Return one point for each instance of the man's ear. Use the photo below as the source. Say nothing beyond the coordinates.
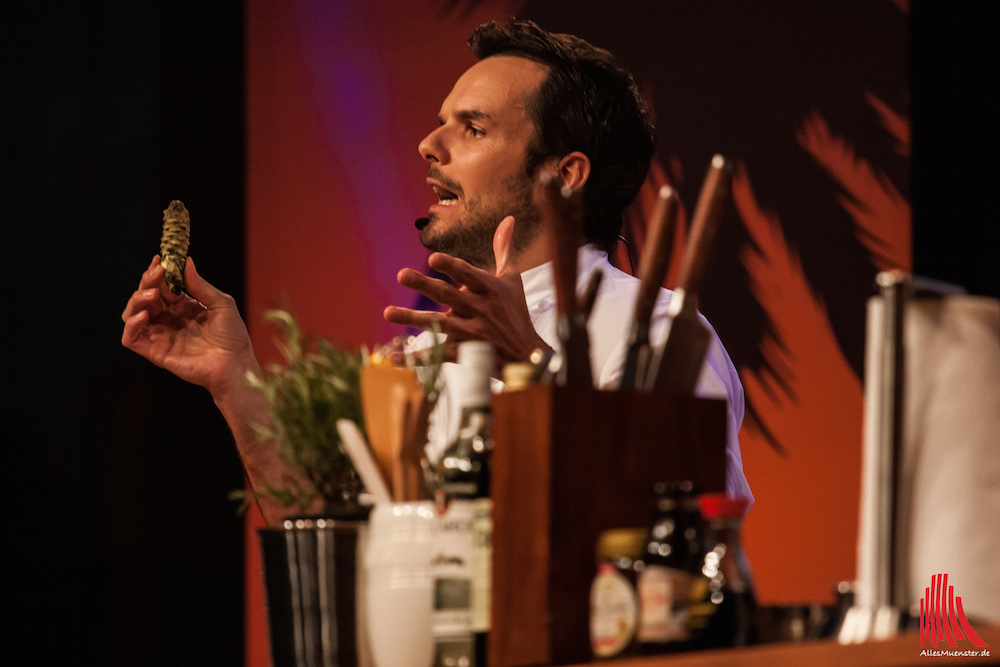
(574, 169)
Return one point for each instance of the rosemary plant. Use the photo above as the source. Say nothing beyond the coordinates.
(317, 385)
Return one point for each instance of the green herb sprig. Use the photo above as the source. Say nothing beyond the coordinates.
(317, 385)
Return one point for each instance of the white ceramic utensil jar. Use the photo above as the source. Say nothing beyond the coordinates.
(400, 584)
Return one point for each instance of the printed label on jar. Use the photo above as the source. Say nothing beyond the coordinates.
(663, 598)
(452, 569)
(482, 563)
(614, 611)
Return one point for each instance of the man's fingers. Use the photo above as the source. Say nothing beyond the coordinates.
(132, 333)
(203, 291)
(152, 278)
(147, 300)
(459, 270)
(455, 328)
(153, 275)
(153, 297)
(420, 319)
(433, 288)
(147, 295)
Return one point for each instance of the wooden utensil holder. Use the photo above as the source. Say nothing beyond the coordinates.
(570, 463)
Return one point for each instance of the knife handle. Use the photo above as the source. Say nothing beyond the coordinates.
(707, 214)
(562, 209)
(563, 212)
(655, 255)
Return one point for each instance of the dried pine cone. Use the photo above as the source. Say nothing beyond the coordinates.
(174, 244)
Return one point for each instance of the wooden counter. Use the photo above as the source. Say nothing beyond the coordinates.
(896, 652)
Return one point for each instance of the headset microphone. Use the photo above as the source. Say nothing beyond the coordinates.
(422, 222)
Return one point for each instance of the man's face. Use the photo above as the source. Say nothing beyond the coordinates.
(477, 160)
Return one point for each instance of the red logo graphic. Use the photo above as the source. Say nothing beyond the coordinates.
(942, 618)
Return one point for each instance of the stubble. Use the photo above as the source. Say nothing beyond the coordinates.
(471, 238)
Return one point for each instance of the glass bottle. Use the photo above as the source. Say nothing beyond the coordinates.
(723, 609)
(451, 571)
(673, 563)
(464, 469)
(614, 604)
(463, 500)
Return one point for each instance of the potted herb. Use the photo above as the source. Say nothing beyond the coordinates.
(310, 562)
(312, 580)
(315, 386)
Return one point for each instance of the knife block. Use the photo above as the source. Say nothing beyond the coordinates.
(568, 464)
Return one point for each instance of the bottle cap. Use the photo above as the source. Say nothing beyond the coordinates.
(621, 543)
(721, 506)
(475, 357)
(675, 488)
(518, 375)
(476, 354)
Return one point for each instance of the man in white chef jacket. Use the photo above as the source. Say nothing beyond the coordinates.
(534, 103)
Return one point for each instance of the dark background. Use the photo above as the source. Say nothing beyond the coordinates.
(123, 547)
(955, 147)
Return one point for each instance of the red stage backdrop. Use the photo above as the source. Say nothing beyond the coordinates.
(810, 101)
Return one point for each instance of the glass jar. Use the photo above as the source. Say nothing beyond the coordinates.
(614, 602)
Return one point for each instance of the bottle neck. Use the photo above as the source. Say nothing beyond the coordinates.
(475, 360)
(475, 418)
(476, 394)
(725, 543)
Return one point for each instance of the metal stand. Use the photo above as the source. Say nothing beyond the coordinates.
(876, 614)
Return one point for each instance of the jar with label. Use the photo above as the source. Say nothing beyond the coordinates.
(452, 571)
(462, 591)
(614, 603)
(673, 562)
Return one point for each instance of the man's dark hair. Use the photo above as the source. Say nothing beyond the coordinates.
(587, 103)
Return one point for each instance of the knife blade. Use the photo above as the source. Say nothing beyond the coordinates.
(562, 208)
(688, 339)
(652, 271)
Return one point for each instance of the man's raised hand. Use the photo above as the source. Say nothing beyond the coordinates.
(199, 336)
(484, 306)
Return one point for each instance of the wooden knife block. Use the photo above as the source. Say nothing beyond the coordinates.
(568, 464)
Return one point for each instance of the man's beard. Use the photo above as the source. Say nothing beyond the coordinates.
(471, 238)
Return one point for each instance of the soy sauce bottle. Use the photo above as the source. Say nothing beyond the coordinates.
(723, 608)
(673, 564)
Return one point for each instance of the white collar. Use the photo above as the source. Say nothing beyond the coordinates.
(537, 281)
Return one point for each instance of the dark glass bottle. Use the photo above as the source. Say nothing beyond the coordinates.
(463, 490)
(723, 610)
(464, 469)
(673, 563)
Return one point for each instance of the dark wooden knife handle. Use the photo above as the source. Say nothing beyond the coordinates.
(564, 214)
(656, 255)
(707, 214)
